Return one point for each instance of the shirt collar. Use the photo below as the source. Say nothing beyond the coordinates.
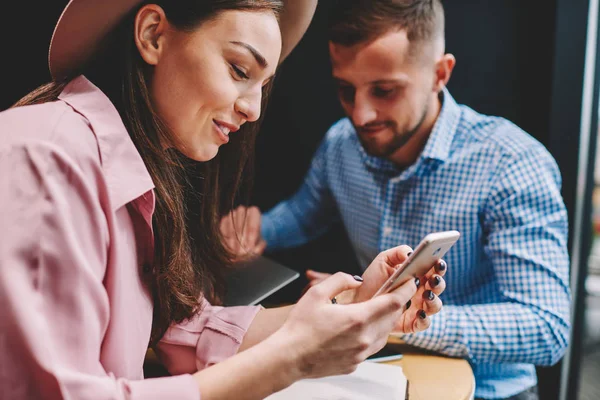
(126, 174)
(444, 129)
(439, 142)
(376, 164)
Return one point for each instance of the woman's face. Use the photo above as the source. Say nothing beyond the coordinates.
(208, 82)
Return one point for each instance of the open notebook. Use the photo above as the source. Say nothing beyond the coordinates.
(370, 381)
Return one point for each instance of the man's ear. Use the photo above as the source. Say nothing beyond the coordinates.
(149, 29)
(443, 71)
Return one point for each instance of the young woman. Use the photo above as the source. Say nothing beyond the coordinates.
(107, 246)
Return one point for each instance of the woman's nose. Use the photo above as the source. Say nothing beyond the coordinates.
(249, 107)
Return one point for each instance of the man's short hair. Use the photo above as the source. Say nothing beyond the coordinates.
(356, 21)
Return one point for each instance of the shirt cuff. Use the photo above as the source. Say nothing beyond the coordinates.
(223, 335)
(182, 387)
(212, 335)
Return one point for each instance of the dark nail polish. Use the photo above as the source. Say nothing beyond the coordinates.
(435, 281)
(429, 295)
(408, 305)
(417, 282)
(422, 314)
(442, 266)
(409, 254)
(358, 278)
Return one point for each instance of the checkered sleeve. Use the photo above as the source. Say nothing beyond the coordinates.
(525, 238)
(309, 213)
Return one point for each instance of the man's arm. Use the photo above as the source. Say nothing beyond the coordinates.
(309, 213)
(525, 228)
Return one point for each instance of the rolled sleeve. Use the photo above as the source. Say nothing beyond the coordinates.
(211, 336)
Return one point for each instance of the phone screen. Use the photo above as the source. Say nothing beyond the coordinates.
(387, 353)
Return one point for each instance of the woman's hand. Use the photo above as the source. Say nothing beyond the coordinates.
(425, 302)
(329, 339)
(316, 338)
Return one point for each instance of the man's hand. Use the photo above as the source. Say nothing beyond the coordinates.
(241, 233)
(314, 278)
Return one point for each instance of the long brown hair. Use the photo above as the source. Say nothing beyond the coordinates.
(191, 197)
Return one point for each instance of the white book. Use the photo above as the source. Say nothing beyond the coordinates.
(370, 381)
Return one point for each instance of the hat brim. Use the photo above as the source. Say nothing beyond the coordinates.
(84, 24)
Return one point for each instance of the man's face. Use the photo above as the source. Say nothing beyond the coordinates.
(384, 89)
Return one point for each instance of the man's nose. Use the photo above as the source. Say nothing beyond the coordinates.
(363, 112)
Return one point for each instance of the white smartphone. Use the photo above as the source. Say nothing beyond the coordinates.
(431, 249)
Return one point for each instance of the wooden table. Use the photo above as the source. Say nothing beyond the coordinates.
(436, 377)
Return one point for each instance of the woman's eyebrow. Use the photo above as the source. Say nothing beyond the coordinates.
(257, 56)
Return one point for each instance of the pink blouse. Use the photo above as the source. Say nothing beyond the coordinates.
(76, 204)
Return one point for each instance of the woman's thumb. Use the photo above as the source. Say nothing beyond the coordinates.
(337, 283)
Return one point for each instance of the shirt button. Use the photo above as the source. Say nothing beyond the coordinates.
(387, 231)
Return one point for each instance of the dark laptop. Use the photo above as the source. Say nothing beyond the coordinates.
(251, 282)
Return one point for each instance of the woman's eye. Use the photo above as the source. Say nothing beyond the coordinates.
(241, 74)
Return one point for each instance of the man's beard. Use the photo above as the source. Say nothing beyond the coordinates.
(398, 140)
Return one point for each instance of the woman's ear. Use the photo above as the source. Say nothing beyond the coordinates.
(443, 71)
(149, 29)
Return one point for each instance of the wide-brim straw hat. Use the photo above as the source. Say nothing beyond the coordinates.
(84, 24)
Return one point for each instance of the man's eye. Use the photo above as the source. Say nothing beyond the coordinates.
(380, 92)
(346, 94)
(241, 74)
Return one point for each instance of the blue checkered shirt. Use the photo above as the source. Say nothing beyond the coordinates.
(506, 306)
